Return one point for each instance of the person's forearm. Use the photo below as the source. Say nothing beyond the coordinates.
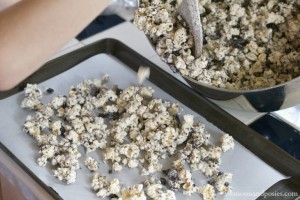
(31, 31)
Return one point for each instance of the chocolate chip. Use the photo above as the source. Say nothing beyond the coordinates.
(103, 115)
(176, 117)
(220, 173)
(64, 105)
(204, 14)
(62, 130)
(166, 55)
(173, 3)
(211, 182)
(238, 42)
(226, 184)
(214, 161)
(204, 39)
(246, 3)
(119, 91)
(165, 171)
(110, 171)
(50, 90)
(176, 53)
(113, 116)
(113, 196)
(273, 26)
(268, 51)
(163, 181)
(95, 91)
(110, 116)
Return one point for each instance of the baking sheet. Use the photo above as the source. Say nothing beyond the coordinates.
(252, 176)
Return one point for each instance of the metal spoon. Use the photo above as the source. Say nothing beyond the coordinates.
(189, 11)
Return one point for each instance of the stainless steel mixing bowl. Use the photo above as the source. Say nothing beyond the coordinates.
(260, 100)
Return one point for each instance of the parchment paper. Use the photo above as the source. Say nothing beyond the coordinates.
(251, 176)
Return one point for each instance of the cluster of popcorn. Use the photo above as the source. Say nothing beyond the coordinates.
(132, 129)
(248, 44)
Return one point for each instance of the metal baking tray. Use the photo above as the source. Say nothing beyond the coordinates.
(258, 145)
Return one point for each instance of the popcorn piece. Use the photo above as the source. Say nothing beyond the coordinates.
(42, 161)
(154, 189)
(47, 139)
(65, 174)
(114, 187)
(32, 97)
(31, 103)
(72, 136)
(47, 111)
(222, 183)
(91, 164)
(58, 102)
(116, 167)
(143, 74)
(133, 163)
(207, 192)
(32, 90)
(100, 185)
(104, 187)
(146, 92)
(32, 128)
(135, 192)
(57, 128)
(49, 150)
(227, 142)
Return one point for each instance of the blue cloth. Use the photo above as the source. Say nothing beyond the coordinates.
(100, 24)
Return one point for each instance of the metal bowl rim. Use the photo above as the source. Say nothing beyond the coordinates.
(240, 91)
